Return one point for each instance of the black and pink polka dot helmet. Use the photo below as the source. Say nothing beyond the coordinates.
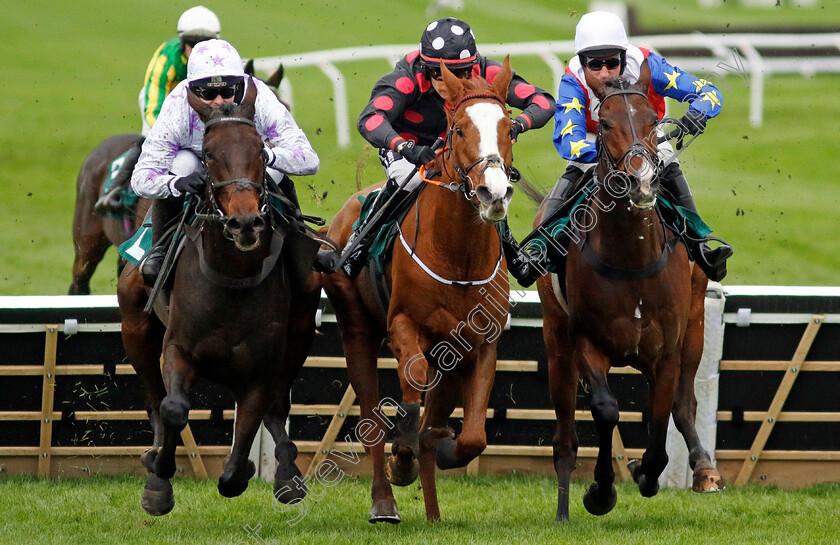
(450, 41)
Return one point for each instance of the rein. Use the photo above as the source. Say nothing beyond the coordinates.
(636, 149)
(491, 161)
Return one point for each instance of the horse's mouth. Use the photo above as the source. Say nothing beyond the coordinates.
(493, 213)
(645, 203)
(247, 247)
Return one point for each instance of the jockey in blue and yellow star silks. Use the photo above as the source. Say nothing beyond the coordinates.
(602, 52)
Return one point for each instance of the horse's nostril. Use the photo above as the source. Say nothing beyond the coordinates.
(259, 224)
(233, 224)
(484, 195)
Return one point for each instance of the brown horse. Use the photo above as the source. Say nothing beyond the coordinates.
(631, 299)
(241, 314)
(94, 233)
(448, 301)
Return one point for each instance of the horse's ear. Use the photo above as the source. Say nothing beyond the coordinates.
(453, 84)
(246, 107)
(201, 108)
(644, 78)
(502, 80)
(249, 67)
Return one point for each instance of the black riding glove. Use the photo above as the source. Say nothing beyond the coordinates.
(418, 155)
(517, 127)
(193, 183)
(693, 122)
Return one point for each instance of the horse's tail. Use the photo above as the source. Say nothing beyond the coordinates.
(534, 193)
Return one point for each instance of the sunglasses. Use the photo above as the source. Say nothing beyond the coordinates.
(210, 93)
(464, 73)
(597, 64)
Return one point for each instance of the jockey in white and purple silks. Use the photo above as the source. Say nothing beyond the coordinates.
(170, 163)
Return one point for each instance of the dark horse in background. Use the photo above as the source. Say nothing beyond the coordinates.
(241, 313)
(94, 233)
(632, 298)
(448, 304)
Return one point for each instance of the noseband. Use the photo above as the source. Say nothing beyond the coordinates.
(467, 187)
(637, 148)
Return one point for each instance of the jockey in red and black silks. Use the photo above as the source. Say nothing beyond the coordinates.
(406, 113)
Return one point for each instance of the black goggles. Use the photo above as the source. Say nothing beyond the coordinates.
(210, 93)
(461, 73)
(596, 64)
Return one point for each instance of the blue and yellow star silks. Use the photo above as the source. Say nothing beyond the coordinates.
(699, 93)
(576, 147)
(568, 128)
(672, 79)
(574, 104)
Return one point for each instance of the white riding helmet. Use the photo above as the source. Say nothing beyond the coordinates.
(600, 30)
(214, 58)
(199, 22)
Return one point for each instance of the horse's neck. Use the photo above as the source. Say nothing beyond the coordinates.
(456, 232)
(223, 257)
(622, 234)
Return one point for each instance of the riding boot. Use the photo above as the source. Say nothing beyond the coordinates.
(357, 260)
(562, 194)
(712, 261)
(521, 265)
(112, 202)
(164, 211)
(287, 186)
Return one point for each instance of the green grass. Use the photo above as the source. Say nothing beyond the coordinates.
(72, 75)
(485, 510)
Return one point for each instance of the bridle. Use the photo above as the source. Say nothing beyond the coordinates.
(214, 211)
(638, 148)
(493, 160)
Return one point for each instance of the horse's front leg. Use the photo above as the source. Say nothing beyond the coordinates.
(412, 367)
(477, 383)
(662, 388)
(252, 403)
(600, 497)
(178, 377)
(440, 402)
(288, 484)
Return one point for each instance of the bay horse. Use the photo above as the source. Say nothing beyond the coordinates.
(94, 233)
(631, 298)
(448, 303)
(238, 314)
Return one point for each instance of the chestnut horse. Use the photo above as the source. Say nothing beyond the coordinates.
(632, 298)
(238, 315)
(448, 300)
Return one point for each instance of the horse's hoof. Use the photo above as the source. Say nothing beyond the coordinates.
(648, 487)
(397, 473)
(164, 468)
(707, 479)
(148, 459)
(597, 505)
(158, 498)
(232, 485)
(289, 491)
(384, 511)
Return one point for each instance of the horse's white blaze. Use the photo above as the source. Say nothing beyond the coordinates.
(486, 118)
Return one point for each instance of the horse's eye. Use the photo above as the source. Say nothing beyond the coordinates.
(207, 155)
(459, 132)
(605, 126)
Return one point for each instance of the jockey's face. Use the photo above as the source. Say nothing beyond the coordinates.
(215, 96)
(602, 68)
(437, 80)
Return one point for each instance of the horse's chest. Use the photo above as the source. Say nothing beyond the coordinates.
(634, 332)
